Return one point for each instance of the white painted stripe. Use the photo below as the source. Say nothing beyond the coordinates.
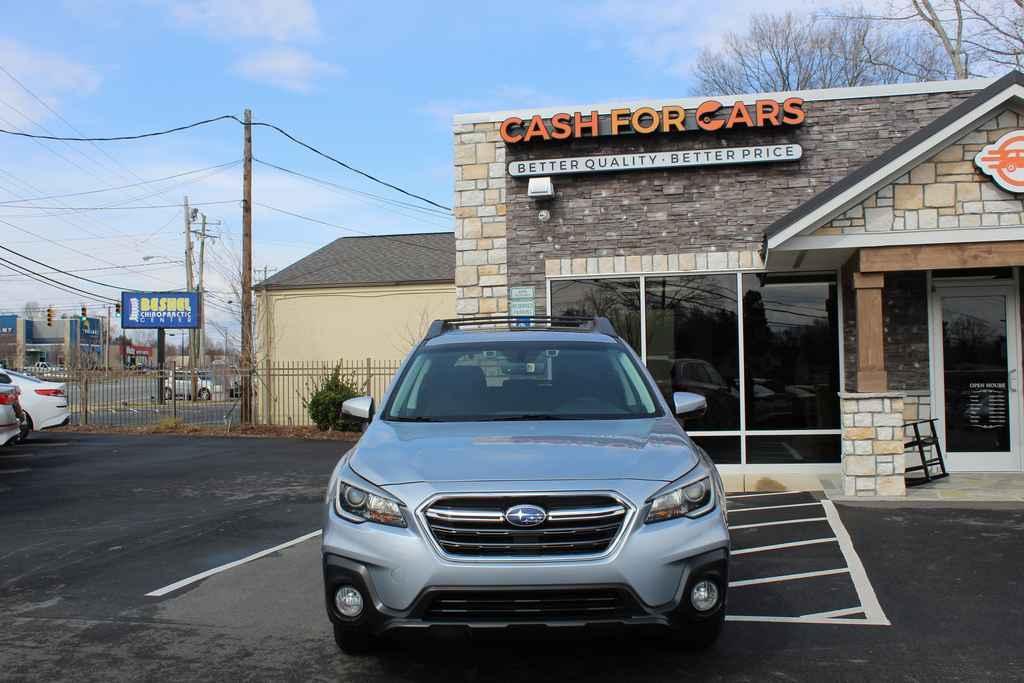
(847, 612)
(230, 565)
(780, 522)
(788, 577)
(781, 546)
(861, 583)
(802, 620)
(754, 495)
(774, 507)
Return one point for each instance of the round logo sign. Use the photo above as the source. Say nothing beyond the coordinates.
(1004, 161)
(525, 515)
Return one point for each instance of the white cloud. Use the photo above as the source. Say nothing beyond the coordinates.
(49, 75)
(279, 20)
(285, 67)
(668, 35)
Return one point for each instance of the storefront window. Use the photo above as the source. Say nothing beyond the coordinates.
(617, 300)
(763, 403)
(792, 359)
(693, 344)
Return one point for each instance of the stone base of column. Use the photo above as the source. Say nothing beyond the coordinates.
(873, 461)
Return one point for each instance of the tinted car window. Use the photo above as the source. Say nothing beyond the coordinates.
(522, 380)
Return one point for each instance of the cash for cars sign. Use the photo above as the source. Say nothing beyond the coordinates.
(172, 310)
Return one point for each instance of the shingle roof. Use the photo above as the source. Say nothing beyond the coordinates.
(378, 259)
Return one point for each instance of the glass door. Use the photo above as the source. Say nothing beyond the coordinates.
(977, 378)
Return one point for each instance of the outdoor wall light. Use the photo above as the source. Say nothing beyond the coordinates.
(541, 188)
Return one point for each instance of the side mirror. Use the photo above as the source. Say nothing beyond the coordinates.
(688, 404)
(360, 407)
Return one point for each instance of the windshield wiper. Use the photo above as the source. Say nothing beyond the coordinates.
(525, 416)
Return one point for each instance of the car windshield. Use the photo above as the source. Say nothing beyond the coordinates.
(532, 380)
(27, 378)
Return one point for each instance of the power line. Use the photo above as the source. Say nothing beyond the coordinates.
(103, 268)
(122, 187)
(231, 117)
(63, 272)
(112, 207)
(58, 283)
(393, 202)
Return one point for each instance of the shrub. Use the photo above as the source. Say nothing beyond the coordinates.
(324, 404)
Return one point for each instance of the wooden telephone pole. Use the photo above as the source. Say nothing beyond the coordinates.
(247, 351)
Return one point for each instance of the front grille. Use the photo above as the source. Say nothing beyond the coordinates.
(578, 604)
(475, 526)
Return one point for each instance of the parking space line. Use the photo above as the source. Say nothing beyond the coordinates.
(802, 620)
(788, 577)
(775, 507)
(849, 611)
(160, 592)
(872, 608)
(755, 495)
(783, 546)
(777, 523)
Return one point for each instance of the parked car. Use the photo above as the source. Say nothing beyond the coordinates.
(44, 403)
(524, 477)
(206, 386)
(10, 425)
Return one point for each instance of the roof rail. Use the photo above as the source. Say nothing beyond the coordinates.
(524, 322)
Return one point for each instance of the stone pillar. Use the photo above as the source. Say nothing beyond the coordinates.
(873, 460)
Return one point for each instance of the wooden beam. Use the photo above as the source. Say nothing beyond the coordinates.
(941, 256)
(871, 375)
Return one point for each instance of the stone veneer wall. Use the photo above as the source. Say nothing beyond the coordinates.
(501, 241)
(655, 263)
(946, 191)
(481, 254)
(873, 459)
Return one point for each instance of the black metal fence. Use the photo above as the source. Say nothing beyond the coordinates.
(212, 395)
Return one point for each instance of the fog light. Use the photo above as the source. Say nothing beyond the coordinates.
(704, 595)
(349, 602)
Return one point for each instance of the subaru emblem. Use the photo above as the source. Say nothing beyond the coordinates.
(525, 515)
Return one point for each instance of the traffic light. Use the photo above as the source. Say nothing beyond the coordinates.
(84, 315)
(49, 317)
(117, 309)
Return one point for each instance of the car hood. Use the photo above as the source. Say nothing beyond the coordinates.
(397, 453)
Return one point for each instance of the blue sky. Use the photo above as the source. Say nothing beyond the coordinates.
(375, 84)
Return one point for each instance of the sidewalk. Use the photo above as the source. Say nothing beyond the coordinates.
(989, 487)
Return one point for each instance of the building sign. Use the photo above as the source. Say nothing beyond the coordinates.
(1004, 161)
(8, 326)
(650, 160)
(89, 330)
(174, 310)
(708, 116)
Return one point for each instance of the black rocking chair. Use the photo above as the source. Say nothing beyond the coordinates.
(920, 443)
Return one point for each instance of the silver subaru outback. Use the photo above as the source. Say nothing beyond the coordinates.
(524, 472)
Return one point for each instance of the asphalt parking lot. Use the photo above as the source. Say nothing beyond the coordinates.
(91, 524)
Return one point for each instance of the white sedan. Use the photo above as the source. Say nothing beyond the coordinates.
(10, 428)
(45, 403)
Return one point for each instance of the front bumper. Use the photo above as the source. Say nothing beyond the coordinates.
(378, 618)
(401, 571)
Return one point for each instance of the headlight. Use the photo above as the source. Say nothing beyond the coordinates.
(690, 500)
(358, 505)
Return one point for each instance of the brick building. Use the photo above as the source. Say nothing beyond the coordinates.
(822, 265)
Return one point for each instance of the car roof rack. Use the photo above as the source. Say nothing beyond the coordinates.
(524, 323)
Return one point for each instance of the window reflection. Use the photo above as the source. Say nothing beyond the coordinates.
(692, 343)
(792, 360)
(617, 300)
(724, 450)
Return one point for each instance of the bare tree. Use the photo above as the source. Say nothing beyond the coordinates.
(976, 37)
(799, 51)
(32, 310)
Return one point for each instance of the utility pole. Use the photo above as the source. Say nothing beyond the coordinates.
(190, 286)
(202, 306)
(247, 359)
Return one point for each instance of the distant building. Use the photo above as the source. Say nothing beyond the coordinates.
(68, 341)
(357, 298)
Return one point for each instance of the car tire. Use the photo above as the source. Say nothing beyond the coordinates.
(168, 396)
(353, 641)
(697, 637)
(204, 394)
(26, 429)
